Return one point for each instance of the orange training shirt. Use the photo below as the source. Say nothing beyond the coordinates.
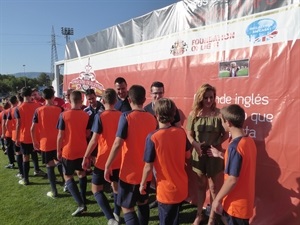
(166, 149)
(47, 117)
(133, 127)
(11, 117)
(106, 125)
(240, 161)
(74, 123)
(8, 131)
(24, 113)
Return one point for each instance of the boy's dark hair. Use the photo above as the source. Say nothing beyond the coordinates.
(137, 94)
(20, 98)
(90, 92)
(165, 110)
(157, 84)
(120, 80)
(26, 92)
(48, 93)
(34, 90)
(13, 99)
(110, 96)
(234, 114)
(51, 87)
(76, 97)
(6, 105)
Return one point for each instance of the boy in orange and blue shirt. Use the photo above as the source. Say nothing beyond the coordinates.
(104, 130)
(15, 101)
(235, 200)
(2, 139)
(24, 114)
(7, 134)
(133, 128)
(74, 127)
(44, 120)
(167, 149)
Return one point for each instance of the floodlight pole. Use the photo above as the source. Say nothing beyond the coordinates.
(67, 31)
(24, 75)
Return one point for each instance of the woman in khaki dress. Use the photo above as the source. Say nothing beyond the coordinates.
(204, 128)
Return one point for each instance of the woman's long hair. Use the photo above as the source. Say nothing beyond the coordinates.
(199, 97)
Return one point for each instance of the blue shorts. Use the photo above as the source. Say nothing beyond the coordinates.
(129, 194)
(231, 220)
(168, 213)
(70, 166)
(98, 176)
(26, 149)
(49, 156)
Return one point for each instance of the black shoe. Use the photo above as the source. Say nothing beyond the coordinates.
(79, 211)
(153, 205)
(39, 173)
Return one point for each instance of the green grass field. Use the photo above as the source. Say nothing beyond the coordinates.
(22, 205)
(241, 73)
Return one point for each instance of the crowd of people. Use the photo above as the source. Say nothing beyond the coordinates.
(132, 147)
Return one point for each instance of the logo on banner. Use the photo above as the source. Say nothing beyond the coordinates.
(87, 80)
(178, 48)
(262, 30)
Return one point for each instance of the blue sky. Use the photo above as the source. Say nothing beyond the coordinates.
(26, 26)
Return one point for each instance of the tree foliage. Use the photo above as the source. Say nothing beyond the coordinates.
(10, 84)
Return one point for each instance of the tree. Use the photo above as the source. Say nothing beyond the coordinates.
(43, 79)
(10, 84)
(5, 89)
